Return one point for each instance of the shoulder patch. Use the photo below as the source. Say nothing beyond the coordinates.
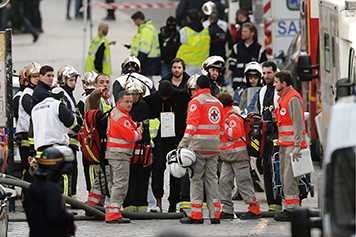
(193, 107)
(127, 123)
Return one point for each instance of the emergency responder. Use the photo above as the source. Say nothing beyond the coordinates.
(248, 50)
(253, 75)
(121, 137)
(99, 53)
(194, 42)
(178, 77)
(50, 119)
(88, 82)
(291, 139)
(136, 199)
(99, 99)
(44, 205)
(130, 69)
(220, 38)
(43, 88)
(170, 106)
(168, 44)
(67, 79)
(145, 45)
(212, 67)
(236, 163)
(192, 84)
(266, 103)
(23, 81)
(204, 123)
(242, 16)
(23, 123)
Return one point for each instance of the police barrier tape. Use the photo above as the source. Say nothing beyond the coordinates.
(130, 5)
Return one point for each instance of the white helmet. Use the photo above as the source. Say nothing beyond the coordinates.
(253, 68)
(192, 81)
(208, 8)
(185, 157)
(176, 170)
(89, 80)
(131, 61)
(135, 86)
(212, 62)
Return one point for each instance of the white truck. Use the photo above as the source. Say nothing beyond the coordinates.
(277, 21)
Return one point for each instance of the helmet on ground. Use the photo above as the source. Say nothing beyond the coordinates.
(131, 61)
(212, 62)
(253, 68)
(89, 80)
(173, 166)
(54, 161)
(208, 8)
(135, 86)
(66, 72)
(192, 81)
(33, 69)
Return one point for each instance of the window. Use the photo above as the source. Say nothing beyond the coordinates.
(327, 52)
(293, 4)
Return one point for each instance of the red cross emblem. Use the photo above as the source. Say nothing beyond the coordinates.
(214, 114)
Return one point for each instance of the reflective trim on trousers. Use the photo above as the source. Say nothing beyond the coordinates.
(254, 207)
(289, 138)
(142, 209)
(217, 208)
(288, 128)
(207, 137)
(118, 141)
(130, 208)
(184, 204)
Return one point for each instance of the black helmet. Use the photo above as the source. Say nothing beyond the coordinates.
(54, 161)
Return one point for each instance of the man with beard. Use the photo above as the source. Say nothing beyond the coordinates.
(178, 77)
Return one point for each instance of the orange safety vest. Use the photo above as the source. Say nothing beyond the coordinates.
(204, 122)
(231, 140)
(284, 122)
(122, 133)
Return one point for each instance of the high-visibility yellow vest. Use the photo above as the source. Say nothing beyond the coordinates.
(146, 41)
(94, 46)
(196, 50)
(154, 126)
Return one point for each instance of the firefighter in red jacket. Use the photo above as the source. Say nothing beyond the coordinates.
(236, 163)
(291, 139)
(121, 137)
(202, 134)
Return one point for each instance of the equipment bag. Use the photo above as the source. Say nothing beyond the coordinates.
(142, 155)
(92, 137)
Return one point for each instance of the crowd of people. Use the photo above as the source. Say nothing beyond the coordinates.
(188, 110)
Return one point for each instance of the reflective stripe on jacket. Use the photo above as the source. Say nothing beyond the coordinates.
(204, 123)
(196, 50)
(94, 46)
(122, 133)
(232, 139)
(146, 41)
(284, 122)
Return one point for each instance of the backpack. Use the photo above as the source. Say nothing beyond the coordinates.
(92, 137)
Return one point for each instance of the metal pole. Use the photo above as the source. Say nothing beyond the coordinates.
(9, 108)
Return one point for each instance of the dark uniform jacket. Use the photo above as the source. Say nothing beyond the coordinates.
(182, 86)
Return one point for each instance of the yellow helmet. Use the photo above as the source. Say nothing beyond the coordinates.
(66, 72)
(33, 69)
(135, 86)
(192, 81)
(89, 80)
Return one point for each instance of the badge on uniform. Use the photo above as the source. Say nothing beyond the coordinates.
(214, 114)
(127, 123)
(283, 111)
(193, 107)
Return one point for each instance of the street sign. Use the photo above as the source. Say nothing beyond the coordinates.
(3, 90)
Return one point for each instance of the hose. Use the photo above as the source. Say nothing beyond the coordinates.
(270, 214)
(17, 182)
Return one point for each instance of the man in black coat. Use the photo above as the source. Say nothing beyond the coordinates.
(178, 77)
(165, 103)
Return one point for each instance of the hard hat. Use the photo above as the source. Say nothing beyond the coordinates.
(22, 77)
(54, 161)
(208, 8)
(131, 61)
(212, 62)
(33, 69)
(135, 86)
(192, 81)
(173, 166)
(186, 157)
(55, 82)
(66, 72)
(57, 92)
(253, 68)
(89, 80)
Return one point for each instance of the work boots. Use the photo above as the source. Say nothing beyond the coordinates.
(283, 216)
(189, 220)
(250, 215)
(224, 215)
(120, 220)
